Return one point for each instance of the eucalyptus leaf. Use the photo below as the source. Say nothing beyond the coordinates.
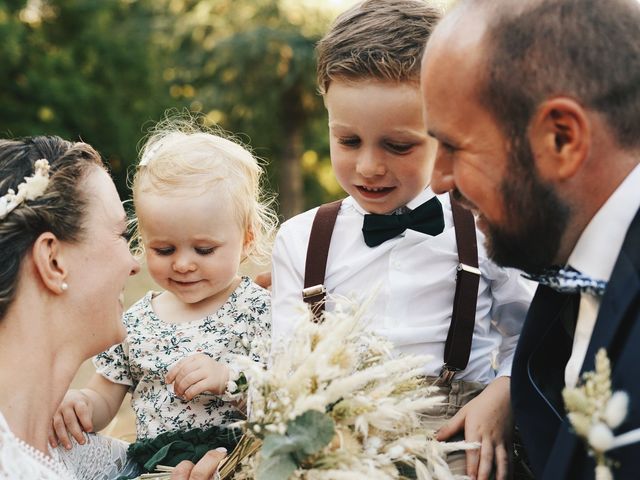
(279, 467)
(274, 445)
(312, 430)
(306, 435)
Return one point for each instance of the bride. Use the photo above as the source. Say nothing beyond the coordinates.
(64, 261)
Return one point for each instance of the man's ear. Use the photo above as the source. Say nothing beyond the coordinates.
(560, 136)
(49, 262)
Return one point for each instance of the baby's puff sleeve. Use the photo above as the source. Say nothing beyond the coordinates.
(113, 364)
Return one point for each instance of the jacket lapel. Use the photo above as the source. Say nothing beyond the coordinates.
(623, 288)
(546, 363)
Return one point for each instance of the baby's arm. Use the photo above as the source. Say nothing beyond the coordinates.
(197, 374)
(86, 410)
(485, 419)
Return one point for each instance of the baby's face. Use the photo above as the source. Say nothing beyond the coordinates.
(380, 152)
(193, 244)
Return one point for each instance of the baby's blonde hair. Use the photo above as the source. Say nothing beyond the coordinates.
(181, 156)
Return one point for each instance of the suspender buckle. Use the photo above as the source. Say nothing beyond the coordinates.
(468, 268)
(446, 376)
(314, 293)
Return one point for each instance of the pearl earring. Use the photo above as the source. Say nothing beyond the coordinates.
(64, 286)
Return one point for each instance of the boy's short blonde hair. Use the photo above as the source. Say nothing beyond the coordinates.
(182, 158)
(376, 39)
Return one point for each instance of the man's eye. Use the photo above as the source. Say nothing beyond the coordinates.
(205, 251)
(447, 147)
(349, 141)
(164, 251)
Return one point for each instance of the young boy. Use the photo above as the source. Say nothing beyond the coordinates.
(368, 73)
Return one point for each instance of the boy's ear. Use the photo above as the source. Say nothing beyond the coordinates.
(560, 137)
(49, 262)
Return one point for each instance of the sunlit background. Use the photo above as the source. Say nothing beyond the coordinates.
(105, 71)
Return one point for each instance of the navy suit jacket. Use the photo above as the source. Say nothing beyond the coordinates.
(554, 451)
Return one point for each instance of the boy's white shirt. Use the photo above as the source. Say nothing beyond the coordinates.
(409, 283)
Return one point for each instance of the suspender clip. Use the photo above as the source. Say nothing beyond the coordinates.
(468, 268)
(314, 293)
(446, 376)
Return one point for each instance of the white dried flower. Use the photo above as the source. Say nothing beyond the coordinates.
(396, 451)
(32, 188)
(616, 410)
(600, 437)
(232, 387)
(603, 472)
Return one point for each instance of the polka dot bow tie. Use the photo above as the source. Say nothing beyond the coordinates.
(569, 280)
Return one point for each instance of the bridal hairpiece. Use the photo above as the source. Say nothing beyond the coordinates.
(32, 187)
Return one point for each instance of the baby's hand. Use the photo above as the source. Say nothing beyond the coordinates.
(196, 374)
(486, 419)
(74, 416)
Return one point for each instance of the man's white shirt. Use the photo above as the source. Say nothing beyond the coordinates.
(408, 284)
(595, 255)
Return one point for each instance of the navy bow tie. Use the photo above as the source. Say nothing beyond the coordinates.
(427, 218)
(569, 280)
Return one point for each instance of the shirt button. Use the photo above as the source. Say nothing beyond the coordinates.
(397, 265)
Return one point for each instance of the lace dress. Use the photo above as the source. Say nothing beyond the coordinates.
(20, 461)
(100, 458)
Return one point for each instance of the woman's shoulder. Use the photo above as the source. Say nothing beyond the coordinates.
(21, 462)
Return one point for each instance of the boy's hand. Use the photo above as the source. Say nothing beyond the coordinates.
(196, 374)
(486, 419)
(74, 416)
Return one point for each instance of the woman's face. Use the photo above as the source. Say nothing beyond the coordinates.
(100, 265)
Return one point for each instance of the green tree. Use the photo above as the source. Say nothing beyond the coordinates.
(250, 66)
(81, 69)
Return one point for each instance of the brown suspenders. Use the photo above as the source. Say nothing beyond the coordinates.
(317, 253)
(463, 317)
(458, 344)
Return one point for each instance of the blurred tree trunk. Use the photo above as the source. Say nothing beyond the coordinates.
(290, 183)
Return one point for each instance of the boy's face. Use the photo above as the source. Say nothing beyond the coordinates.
(380, 152)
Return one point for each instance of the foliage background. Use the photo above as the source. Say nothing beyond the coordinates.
(105, 70)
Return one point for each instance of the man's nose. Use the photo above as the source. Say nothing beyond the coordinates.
(442, 178)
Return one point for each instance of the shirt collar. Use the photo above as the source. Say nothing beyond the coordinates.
(422, 197)
(599, 244)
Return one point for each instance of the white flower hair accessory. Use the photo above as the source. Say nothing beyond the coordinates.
(32, 187)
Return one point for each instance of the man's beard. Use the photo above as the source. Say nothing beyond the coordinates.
(537, 218)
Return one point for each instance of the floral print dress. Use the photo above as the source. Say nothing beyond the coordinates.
(239, 327)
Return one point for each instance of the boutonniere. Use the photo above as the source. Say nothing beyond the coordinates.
(594, 411)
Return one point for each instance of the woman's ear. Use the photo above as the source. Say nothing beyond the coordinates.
(49, 262)
(560, 137)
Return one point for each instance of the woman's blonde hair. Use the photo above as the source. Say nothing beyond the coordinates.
(182, 156)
